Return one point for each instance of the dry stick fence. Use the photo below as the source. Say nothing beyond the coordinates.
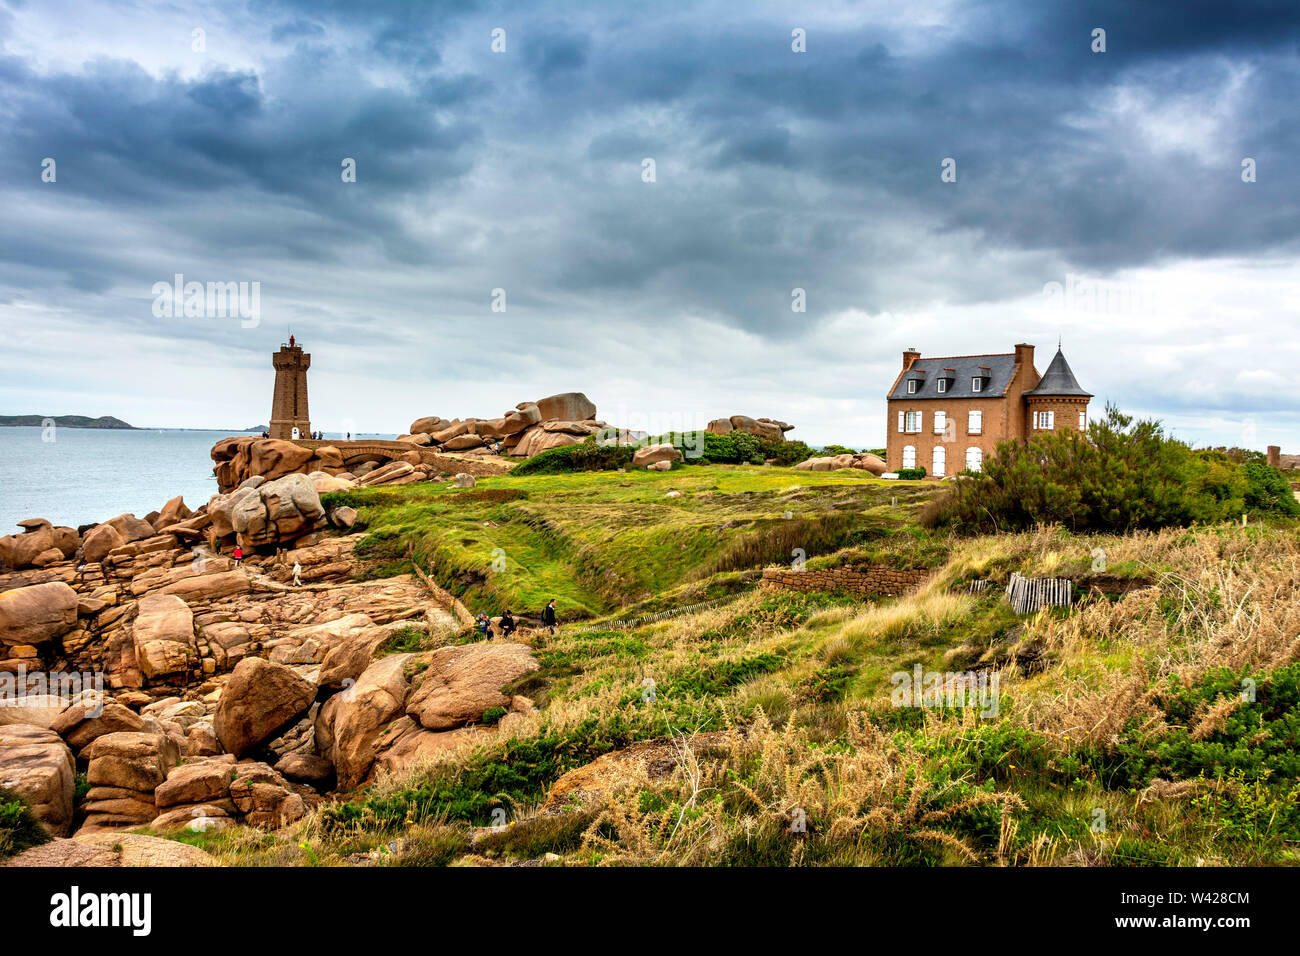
(1033, 594)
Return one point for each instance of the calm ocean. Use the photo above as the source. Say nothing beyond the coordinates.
(90, 474)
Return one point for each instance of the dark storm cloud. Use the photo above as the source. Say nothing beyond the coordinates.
(523, 170)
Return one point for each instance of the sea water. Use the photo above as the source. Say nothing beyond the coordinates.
(76, 476)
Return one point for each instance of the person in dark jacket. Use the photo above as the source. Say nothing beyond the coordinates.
(508, 624)
(484, 624)
(548, 616)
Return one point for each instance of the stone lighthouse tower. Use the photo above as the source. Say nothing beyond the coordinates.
(289, 403)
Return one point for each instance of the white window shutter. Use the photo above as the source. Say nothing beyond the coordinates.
(900, 421)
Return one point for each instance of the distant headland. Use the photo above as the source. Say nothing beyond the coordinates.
(64, 421)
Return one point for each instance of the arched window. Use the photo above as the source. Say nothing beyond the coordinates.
(909, 456)
(939, 461)
(974, 459)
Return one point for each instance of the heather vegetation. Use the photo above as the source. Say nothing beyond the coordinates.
(1153, 722)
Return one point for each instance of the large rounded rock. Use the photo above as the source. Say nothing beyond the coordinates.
(196, 781)
(173, 511)
(872, 463)
(39, 545)
(274, 458)
(131, 528)
(462, 682)
(131, 761)
(100, 540)
(37, 613)
(566, 407)
(260, 700)
(650, 454)
(37, 765)
(164, 636)
(426, 426)
(349, 723)
(449, 430)
(537, 439)
(39, 710)
(273, 511)
(524, 415)
(264, 797)
(86, 721)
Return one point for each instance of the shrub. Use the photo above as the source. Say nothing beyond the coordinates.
(832, 450)
(1267, 491)
(911, 474)
(19, 828)
(736, 448)
(586, 455)
(1120, 475)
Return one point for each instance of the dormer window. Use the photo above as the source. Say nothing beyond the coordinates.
(942, 385)
(976, 384)
(911, 386)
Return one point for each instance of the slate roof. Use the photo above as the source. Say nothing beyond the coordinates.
(996, 369)
(1058, 380)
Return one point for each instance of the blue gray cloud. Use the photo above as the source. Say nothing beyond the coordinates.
(522, 170)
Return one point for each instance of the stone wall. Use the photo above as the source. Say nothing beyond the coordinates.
(880, 580)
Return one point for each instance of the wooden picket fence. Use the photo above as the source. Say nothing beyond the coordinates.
(1032, 594)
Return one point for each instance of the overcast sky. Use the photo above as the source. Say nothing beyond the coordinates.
(219, 155)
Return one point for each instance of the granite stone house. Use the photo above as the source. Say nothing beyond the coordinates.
(948, 413)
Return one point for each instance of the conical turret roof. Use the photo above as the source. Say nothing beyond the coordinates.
(1058, 380)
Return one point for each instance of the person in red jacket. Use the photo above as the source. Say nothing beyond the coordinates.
(238, 555)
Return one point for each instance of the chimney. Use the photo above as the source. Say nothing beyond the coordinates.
(910, 356)
(1025, 355)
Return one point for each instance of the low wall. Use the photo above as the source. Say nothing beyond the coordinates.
(880, 580)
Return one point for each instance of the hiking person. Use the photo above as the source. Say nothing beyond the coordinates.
(548, 616)
(238, 555)
(297, 574)
(484, 624)
(508, 624)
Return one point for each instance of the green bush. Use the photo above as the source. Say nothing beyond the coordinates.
(1267, 491)
(586, 455)
(911, 474)
(19, 828)
(830, 451)
(736, 448)
(1118, 476)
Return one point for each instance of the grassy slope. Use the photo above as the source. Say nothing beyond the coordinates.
(601, 541)
(1121, 736)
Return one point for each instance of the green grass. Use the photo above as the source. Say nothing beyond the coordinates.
(599, 542)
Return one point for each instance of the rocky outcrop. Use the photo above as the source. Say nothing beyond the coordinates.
(37, 614)
(279, 512)
(164, 636)
(259, 701)
(83, 723)
(350, 722)
(112, 850)
(39, 545)
(525, 430)
(462, 682)
(651, 454)
(865, 461)
(123, 770)
(196, 782)
(36, 764)
(263, 797)
(99, 541)
(769, 429)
